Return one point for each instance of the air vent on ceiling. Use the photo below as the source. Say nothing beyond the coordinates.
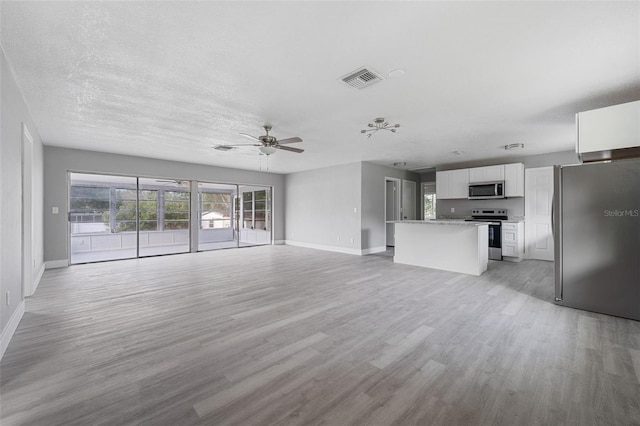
(361, 78)
(223, 148)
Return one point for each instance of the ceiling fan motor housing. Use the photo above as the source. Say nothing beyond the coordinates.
(268, 140)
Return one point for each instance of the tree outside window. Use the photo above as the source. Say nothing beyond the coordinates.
(429, 200)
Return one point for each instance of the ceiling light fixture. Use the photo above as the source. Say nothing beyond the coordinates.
(267, 150)
(514, 146)
(396, 73)
(379, 124)
(399, 164)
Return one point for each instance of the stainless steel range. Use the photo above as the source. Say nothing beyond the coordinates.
(494, 217)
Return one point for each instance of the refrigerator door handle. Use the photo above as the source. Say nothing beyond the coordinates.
(556, 230)
(553, 226)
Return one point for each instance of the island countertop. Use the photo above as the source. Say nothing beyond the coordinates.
(450, 245)
(455, 222)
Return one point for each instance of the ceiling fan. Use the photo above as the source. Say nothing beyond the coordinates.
(174, 181)
(268, 144)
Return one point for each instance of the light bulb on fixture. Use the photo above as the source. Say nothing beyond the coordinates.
(267, 150)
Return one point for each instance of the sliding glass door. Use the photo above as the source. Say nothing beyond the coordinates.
(122, 217)
(102, 217)
(163, 216)
(217, 221)
(254, 209)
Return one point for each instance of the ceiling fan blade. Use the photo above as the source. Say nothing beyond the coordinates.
(246, 135)
(288, 148)
(289, 140)
(225, 146)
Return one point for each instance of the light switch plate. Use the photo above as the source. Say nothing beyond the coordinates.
(55, 210)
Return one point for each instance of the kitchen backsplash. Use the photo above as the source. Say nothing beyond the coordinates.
(515, 207)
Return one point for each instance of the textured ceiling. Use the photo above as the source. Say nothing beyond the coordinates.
(172, 79)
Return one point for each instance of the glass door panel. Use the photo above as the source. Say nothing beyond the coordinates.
(102, 217)
(163, 215)
(218, 221)
(256, 215)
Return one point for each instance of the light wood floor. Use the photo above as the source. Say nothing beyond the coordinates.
(286, 335)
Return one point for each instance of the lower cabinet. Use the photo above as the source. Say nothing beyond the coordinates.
(512, 241)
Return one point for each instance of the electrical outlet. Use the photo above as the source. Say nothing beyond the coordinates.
(355, 210)
(453, 209)
(351, 240)
(55, 210)
(338, 239)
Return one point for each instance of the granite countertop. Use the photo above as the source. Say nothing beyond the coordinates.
(451, 222)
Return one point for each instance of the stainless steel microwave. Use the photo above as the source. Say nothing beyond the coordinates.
(486, 190)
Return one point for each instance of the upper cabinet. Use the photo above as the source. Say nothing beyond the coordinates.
(604, 131)
(452, 184)
(486, 174)
(514, 180)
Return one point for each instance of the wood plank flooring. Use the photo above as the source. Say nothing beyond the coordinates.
(282, 335)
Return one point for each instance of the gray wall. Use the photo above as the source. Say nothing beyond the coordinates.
(514, 205)
(13, 113)
(320, 207)
(428, 176)
(373, 202)
(58, 161)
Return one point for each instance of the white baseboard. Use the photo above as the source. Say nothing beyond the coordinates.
(374, 250)
(278, 242)
(323, 247)
(11, 327)
(52, 264)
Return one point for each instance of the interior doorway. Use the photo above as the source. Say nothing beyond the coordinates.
(408, 200)
(392, 196)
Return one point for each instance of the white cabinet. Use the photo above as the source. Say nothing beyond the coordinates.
(512, 241)
(486, 174)
(452, 184)
(514, 180)
(459, 183)
(604, 129)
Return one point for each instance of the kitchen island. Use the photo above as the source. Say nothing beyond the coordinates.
(450, 245)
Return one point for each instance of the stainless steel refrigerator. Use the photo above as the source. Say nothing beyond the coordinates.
(596, 223)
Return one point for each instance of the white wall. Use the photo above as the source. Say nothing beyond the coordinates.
(320, 208)
(13, 113)
(58, 161)
(328, 207)
(373, 203)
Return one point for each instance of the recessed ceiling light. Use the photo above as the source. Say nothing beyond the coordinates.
(399, 164)
(396, 73)
(458, 152)
(514, 146)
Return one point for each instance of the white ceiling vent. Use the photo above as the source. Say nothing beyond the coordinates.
(361, 78)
